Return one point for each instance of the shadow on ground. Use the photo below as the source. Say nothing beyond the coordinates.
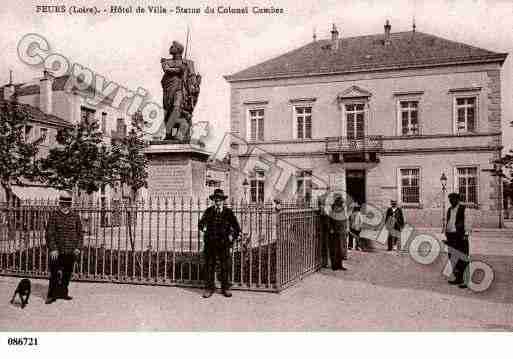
(393, 270)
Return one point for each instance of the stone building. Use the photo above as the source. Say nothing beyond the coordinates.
(379, 117)
(39, 125)
(55, 101)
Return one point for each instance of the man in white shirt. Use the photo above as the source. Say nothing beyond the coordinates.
(456, 240)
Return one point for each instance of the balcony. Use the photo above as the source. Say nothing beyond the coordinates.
(354, 145)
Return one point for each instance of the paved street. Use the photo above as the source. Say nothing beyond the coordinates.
(381, 291)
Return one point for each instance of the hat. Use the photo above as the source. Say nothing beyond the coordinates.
(65, 199)
(338, 200)
(393, 201)
(218, 193)
(454, 195)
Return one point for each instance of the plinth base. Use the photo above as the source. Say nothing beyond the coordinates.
(176, 170)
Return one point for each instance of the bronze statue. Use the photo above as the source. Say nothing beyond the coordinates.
(181, 87)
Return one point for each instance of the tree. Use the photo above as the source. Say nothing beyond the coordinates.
(79, 162)
(129, 165)
(17, 156)
(130, 161)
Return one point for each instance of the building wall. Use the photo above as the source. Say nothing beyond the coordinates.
(439, 149)
(382, 182)
(436, 100)
(68, 106)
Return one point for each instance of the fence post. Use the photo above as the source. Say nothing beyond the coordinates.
(278, 279)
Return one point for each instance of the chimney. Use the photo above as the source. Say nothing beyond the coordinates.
(45, 93)
(388, 27)
(334, 33)
(9, 88)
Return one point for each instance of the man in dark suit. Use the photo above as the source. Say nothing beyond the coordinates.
(394, 221)
(218, 229)
(64, 238)
(456, 240)
(324, 228)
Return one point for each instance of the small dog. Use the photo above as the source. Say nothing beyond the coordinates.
(23, 290)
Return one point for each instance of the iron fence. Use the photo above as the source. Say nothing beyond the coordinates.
(157, 243)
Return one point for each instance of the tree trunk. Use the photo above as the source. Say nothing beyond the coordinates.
(129, 217)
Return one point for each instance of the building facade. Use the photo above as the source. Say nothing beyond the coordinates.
(56, 102)
(379, 117)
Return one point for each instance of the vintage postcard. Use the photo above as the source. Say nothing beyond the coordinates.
(254, 166)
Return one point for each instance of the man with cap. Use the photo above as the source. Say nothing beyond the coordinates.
(218, 229)
(394, 221)
(64, 238)
(457, 242)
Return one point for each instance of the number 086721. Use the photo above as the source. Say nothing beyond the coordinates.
(21, 341)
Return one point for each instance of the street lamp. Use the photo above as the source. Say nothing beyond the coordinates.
(443, 181)
(245, 185)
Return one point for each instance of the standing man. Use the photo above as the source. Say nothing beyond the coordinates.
(218, 229)
(355, 227)
(457, 242)
(324, 228)
(394, 222)
(338, 233)
(64, 238)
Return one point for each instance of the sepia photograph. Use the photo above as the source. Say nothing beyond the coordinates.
(321, 167)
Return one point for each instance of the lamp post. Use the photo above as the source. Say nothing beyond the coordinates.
(443, 181)
(245, 185)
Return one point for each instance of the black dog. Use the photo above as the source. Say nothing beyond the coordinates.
(23, 290)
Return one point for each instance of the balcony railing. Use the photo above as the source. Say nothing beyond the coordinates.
(346, 144)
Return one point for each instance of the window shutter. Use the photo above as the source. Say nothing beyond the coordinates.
(253, 129)
(308, 126)
(261, 129)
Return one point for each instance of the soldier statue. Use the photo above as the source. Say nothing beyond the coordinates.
(181, 87)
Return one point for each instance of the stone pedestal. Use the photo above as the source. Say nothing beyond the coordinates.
(176, 170)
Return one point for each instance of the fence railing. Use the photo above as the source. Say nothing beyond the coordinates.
(348, 144)
(157, 243)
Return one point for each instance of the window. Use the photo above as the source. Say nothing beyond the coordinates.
(86, 114)
(304, 185)
(303, 118)
(104, 123)
(410, 185)
(257, 187)
(256, 124)
(409, 116)
(28, 132)
(466, 180)
(465, 112)
(355, 120)
(43, 132)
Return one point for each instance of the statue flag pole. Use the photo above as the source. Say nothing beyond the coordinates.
(186, 43)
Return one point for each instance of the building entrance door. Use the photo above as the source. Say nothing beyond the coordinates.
(355, 185)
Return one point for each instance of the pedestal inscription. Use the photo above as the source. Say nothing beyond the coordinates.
(169, 180)
(176, 170)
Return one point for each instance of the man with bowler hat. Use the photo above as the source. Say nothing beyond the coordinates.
(64, 238)
(218, 229)
(457, 242)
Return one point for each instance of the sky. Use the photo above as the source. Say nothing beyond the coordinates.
(127, 48)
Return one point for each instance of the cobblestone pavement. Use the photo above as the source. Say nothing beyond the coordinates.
(381, 291)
